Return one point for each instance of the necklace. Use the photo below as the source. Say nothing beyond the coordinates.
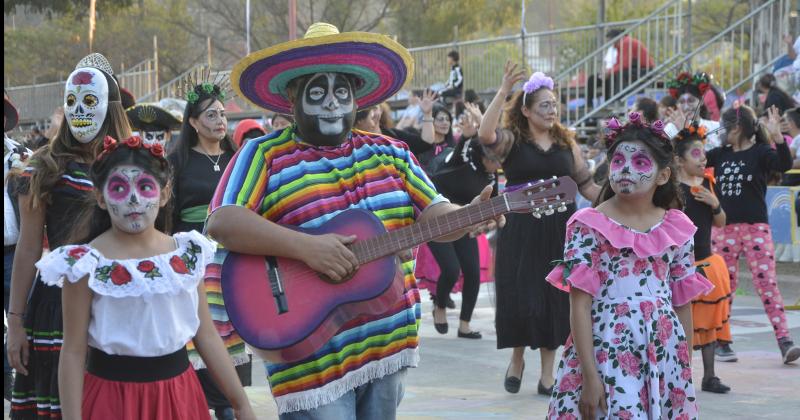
(215, 163)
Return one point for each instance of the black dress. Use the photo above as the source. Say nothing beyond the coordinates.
(36, 394)
(193, 189)
(531, 312)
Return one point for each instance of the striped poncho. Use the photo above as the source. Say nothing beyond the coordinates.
(293, 183)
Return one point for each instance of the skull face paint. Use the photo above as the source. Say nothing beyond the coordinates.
(155, 137)
(325, 110)
(133, 197)
(86, 103)
(632, 169)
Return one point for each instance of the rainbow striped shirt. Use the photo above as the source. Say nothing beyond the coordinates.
(293, 183)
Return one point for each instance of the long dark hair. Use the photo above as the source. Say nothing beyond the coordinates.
(438, 108)
(188, 137)
(745, 118)
(666, 196)
(770, 84)
(94, 221)
(517, 122)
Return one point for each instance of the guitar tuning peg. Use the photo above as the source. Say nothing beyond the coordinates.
(562, 208)
(549, 210)
(537, 214)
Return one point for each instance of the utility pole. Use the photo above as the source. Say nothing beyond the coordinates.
(292, 20)
(247, 25)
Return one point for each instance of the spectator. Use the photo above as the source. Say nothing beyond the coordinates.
(411, 117)
(37, 139)
(647, 107)
(790, 124)
(632, 61)
(455, 84)
(667, 104)
(768, 85)
(281, 121)
(246, 130)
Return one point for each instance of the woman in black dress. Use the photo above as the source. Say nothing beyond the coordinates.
(532, 145)
(198, 160)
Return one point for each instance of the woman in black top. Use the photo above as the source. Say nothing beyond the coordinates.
(768, 85)
(711, 312)
(533, 145)
(741, 168)
(199, 159)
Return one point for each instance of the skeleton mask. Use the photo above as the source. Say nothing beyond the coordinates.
(86, 103)
(325, 110)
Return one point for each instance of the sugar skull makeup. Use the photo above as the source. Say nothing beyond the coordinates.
(133, 198)
(153, 137)
(86, 103)
(632, 169)
(326, 110)
(694, 159)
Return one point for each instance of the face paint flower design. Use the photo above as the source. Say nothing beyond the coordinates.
(632, 169)
(133, 197)
(86, 103)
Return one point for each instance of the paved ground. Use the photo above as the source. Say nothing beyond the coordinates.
(463, 379)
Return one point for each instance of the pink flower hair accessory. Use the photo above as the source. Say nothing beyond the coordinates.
(537, 81)
(615, 127)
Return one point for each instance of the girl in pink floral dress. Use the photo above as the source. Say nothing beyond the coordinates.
(628, 266)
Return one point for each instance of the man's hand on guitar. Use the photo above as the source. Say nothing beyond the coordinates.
(490, 224)
(328, 255)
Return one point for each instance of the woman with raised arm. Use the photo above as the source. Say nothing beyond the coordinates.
(532, 144)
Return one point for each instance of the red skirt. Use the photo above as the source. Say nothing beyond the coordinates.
(179, 397)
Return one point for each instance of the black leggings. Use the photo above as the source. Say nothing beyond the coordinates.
(454, 257)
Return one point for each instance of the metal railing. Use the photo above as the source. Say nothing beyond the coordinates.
(37, 102)
(172, 89)
(650, 44)
(734, 55)
(482, 60)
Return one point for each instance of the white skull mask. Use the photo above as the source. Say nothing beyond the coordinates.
(86, 103)
(153, 137)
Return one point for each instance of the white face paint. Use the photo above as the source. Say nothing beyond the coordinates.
(632, 169)
(133, 197)
(327, 97)
(86, 103)
(153, 137)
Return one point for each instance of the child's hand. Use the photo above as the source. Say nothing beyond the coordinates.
(593, 396)
(704, 195)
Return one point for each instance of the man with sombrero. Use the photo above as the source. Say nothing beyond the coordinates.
(306, 174)
(155, 124)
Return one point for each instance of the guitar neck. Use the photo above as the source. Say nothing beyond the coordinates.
(413, 235)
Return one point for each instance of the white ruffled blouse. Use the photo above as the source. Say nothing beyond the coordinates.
(141, 307)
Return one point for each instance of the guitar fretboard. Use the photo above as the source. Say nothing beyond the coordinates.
(410, 236)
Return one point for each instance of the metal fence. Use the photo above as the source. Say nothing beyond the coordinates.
(37, 102)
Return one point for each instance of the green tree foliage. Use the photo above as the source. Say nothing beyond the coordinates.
(62, 7)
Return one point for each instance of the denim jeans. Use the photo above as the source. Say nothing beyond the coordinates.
(8, 259)
(376, 400)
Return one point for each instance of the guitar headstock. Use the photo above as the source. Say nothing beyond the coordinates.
(542, 197)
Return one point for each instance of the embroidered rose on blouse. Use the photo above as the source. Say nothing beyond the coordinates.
(647, 309)
(639, 266)
(660, 269)
(622, 309)
(651, 353)
(573, 363)
(679, 271)
(120, 275)
(624, 415)
(619, 328)
(149, 269)
(178, 265)
(686, 374)
(644, 398)
(566, 416)
(601, 356)
(75, 254)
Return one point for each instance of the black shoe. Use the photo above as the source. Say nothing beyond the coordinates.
(713, 384)
(512, 383)
(8, 385)
(541, 390)
(724, 353)
(224, 413)
(789, 351)
(471, 334)
(441, 328)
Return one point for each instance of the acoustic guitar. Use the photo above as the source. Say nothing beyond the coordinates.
(286, 311)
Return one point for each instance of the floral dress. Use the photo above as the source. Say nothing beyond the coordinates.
(640, 348)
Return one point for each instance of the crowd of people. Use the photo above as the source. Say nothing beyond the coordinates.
(118, 220)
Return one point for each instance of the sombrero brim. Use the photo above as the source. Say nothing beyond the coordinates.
(148, 117)
(383, 65)
(11, 114)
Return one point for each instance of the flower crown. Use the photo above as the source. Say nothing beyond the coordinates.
(135, 142)
(693, 129)
(193, 89)
(701, 80)
(537, 81)
(615, 128)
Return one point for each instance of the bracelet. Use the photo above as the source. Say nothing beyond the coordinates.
(716, 210)
(21, 315)
(427, 120)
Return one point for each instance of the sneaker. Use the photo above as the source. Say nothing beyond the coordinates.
(724, 353)
(789, 351)
(713, 384)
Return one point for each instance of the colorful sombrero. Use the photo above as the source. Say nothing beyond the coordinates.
(382, 65)
(10, 113)
(150, 117)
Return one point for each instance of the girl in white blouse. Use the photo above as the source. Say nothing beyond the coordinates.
(131, 297)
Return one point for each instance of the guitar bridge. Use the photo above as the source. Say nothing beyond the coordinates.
(276, 284)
